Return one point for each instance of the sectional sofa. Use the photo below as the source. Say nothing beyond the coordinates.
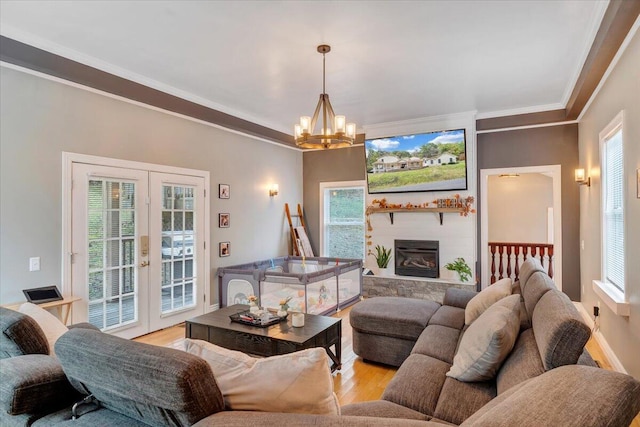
(125, 383)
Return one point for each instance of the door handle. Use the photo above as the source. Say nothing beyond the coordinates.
(144, 264)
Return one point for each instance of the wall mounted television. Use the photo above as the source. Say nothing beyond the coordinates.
(430, 161)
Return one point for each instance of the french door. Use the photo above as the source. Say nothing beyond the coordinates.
(138, 248)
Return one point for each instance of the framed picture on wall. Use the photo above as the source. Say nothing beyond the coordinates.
(638, 182)
(223, 220)
(224, 191)
(224, 249)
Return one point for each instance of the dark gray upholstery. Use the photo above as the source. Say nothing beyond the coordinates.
(446, 337)
(382, 409)
(458, 297)
(20, 335)
(523, 363)
(530, 266)
(539, 284)
(569, 396)
(270, 419)
(156, 385)
(459, 400)
(450, 316)
(393, 316)
(418, 383)
(559, 330)
(33, 383)
(386, 328)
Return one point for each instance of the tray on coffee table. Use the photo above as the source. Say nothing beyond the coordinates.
(252, 319)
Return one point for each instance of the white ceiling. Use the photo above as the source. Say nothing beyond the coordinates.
(390, 60)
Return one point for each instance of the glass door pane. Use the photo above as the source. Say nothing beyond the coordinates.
(179, 243)
(111, 256)
(343, 222)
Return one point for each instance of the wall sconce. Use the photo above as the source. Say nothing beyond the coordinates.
(273, 190)
(581, 178)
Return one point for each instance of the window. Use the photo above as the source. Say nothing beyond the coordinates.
(342, 217)
(613, 204)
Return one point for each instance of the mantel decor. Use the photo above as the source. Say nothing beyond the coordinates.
(455, 204)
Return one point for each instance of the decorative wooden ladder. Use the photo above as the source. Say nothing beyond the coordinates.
(294, 234)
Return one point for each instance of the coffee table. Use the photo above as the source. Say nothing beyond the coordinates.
(318, 331)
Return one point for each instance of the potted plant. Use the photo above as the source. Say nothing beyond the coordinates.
(460, 266)
(383, 256)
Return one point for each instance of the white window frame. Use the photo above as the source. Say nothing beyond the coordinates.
(612, 295)
(341, 185)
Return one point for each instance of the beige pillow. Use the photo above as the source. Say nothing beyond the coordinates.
(298, 382)
(483, 300)
(487, 342)
(52, 326)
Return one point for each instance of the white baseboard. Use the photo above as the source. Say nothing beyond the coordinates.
(602, 342)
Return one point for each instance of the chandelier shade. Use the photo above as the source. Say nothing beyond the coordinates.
(335, 132)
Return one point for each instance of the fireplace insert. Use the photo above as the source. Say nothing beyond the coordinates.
(417, 258)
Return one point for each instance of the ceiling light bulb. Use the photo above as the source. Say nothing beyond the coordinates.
(305, 124)
(340, 122)
(351, 130)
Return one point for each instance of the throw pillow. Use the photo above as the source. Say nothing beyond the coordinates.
(299, 382)
(52, 327)
(485, 298)
(487, 342)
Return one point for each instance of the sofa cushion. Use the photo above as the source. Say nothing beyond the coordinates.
(20, 334)
(483, 300)
(33, 383)
(382, 409)
(459, 298)
(523, 363)
(155, 385)
(539, 284)
(569, 396)
(528, 267)
(296, 382)
(459, 400)
(52, 327)
(392, 316)
(418, 383)
(487, 341)
(524, 318)
(438, 342)
(446, 315)
(559, 330)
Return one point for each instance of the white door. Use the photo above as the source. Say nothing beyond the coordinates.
(177, 248)
(130, 281)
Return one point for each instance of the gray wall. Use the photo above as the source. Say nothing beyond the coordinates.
(345, 164)
(551, 145)
(41, 119)
(621, 91)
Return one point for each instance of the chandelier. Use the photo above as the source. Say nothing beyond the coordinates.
(342, 135)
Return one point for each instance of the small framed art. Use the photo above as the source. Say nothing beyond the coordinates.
(638, 182)
(223, 220)
(224, 191)
(224, 249)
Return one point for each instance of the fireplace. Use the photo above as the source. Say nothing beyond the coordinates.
(417, 258)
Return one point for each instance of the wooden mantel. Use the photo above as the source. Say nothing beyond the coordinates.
(391, 211)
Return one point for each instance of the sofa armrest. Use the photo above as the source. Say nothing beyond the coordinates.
(595, 397)
(84, 325)
(458, 297)
(34, 383)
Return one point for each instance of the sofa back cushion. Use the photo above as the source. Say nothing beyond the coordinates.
(523, 363)
(155, 385)
(559, 330)
(538, 284)
(528, 267)
(20, 334)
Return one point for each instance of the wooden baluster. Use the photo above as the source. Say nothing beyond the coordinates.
(517, 253)
(500, 267)
(493, 264)
(550, 272)
(509, 261)
(541, 249)
(533, 251)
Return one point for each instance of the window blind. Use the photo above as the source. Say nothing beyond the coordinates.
(613, 213)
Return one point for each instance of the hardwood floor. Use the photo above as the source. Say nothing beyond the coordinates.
(357, 381)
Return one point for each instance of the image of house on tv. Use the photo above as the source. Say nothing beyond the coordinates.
(394, 164)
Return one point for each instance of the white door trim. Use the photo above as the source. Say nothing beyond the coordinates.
(67, 178)
(555, 172)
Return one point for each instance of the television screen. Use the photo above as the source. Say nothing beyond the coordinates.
(433, 161)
